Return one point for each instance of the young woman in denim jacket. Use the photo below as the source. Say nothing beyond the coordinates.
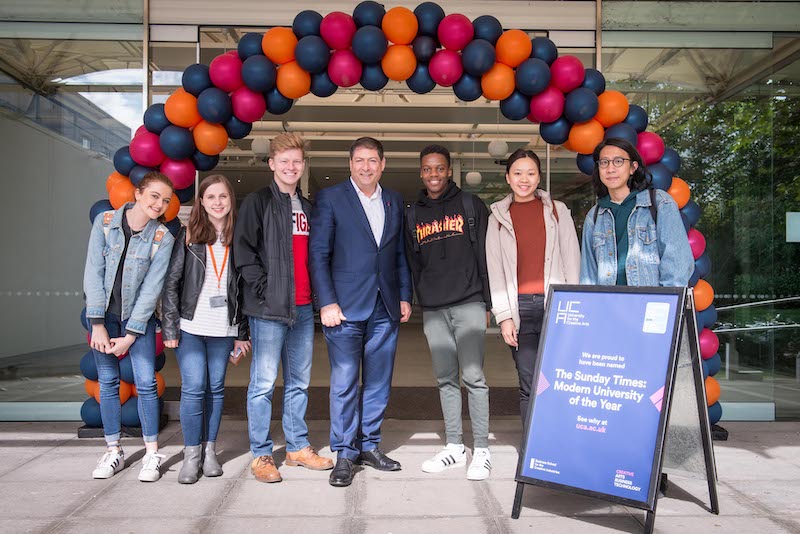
(127, 259)
(202, 319)
(622, 243)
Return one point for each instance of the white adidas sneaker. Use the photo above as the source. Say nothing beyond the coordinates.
(111, 463)
(151, 464)
(481, 466)
(452, 455)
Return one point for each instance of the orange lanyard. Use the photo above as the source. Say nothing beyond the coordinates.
(214, 263)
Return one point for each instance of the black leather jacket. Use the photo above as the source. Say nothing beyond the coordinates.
(185, 276)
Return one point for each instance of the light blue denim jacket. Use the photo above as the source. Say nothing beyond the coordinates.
(658, 253)
(142, 278)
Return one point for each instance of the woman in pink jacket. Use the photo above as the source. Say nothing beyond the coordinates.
(530, 243)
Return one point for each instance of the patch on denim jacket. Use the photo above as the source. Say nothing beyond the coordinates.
(159, 235)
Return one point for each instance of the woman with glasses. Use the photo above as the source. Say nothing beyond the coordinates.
(634, 235)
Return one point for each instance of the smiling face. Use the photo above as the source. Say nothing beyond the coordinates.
(216, 201)
(616, 178)
(288, 166)
(523, 177)
(366, 168)
(435, 174)
(153, 200)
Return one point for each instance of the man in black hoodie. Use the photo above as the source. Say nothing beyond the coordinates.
(445, 243)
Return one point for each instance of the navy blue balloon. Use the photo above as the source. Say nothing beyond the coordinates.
(203, 162)
(685, 221)
(594, 80)
(155, 120)
(662, 178)
(99, 207)
(196, 79)
(637, 117)
(184, 195)
(306, 23)
(468, 88)
(714, 364)
(368, 14)
(259, 73)
(692, 212)
(312, 54)
(85, 322)
(703, 265)
(585, 163)
(532, 76)
(237, 129)
(707, 318)
(123, 162)
(161, 359)
(373, 77)
(137, 174)
(88, 366)
(176, 142)
(214, 105)
(581, 105)
(671, 160)
(714, 413)
(516, 107)
(277, 104)
(322, 85)
(555, 133)
(694, 278)
(429, 15)
(622, 131)
(90, 413)
(544, 49)
(250, 45)
(173, 226)
(478, 57)
(369, 44)
(421, 82)
(424, 47)
(704, 365)
(488, 28)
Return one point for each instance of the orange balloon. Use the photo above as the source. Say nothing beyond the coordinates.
(613, 108)
(498, 83)
(160, 384)
(210, 139)
(713, 390)
(125, 391)
(399, 63)
(513, 47)
(400, 25)
(703, 295)
(121, 193)
(293, 82)
(92, 388)
(278, 45)
(113, 179)
(679, 191)
(568, 146)
(585, 136)
(173, 208)
(181, 109)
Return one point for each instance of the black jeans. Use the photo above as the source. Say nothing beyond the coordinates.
(531, 314)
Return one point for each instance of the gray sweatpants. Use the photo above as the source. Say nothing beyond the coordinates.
(456, 337)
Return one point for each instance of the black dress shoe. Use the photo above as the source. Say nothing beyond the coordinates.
(342, 474)
(377, 460)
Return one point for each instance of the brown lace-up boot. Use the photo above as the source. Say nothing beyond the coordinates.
(308, 458)
(263, 468)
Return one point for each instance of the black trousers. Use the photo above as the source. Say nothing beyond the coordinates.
(531, 315)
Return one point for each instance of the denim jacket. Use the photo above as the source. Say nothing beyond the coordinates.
(142, 278)
(658, 253)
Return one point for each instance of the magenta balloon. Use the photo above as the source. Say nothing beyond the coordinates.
(697, 242)
(455, 32)
(709, 343)
(226, 72)
(180, 173)
(248, 106)
(145, 150)
(140, 129)
(337, 30)
(547, 106)
(344, 68)
(650, 147)
(445, 67)
(566, 73)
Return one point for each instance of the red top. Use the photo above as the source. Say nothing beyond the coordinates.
(302, 279)
(528, 221)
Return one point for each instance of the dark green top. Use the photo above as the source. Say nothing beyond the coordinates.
(621, 213)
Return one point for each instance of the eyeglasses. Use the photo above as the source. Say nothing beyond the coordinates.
(618, 162)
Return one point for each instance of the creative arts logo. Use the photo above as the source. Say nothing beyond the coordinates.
(569, 314)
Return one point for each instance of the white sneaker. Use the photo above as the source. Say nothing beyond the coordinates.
(111, 463)
(481, 465)
(150, 467)
(451, 456)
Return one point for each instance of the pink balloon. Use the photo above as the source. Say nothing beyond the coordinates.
(548, 105)
(248, 106)
(455, 32)
(180, 172)
(709, 343)
(159, 343)
(650, 147)
(697, 242)
(566, 73)
(226, 72)
(344, 68)
(532, 118)
(140, 129)
(337, 30)
(445, 67)
(145, 150)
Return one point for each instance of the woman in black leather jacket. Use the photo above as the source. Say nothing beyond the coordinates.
(202, 319)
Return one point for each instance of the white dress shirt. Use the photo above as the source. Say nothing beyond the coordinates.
(373, 207)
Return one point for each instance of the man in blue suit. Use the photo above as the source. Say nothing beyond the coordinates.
(362, 282)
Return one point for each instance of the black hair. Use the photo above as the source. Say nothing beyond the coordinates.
(435, 149)
(366, 142)
(521, 153)
(639, 180)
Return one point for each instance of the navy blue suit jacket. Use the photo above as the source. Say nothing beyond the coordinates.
(347, 266)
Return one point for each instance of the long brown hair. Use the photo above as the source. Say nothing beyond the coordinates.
(200, 229)
(157, 177)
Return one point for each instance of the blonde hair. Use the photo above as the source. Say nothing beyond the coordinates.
(287, 141)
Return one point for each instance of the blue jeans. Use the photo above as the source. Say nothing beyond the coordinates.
(277, 343)
(143, 358)
(203, 361)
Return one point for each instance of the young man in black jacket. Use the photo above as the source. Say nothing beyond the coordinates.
(445, 243)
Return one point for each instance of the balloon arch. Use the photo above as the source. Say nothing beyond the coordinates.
(423, 48)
